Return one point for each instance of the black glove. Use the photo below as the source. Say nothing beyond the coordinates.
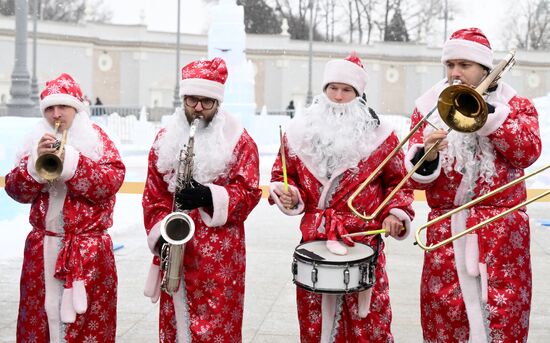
(197, 195)
(490, 108)
(160, 243)
(427, 167)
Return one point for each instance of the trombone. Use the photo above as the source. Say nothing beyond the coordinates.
(49, 166)
(474, 202)
(461, 107)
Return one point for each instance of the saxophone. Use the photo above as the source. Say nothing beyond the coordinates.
(177, 228)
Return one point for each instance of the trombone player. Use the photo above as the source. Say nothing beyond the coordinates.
(68, 279)
(478, 288)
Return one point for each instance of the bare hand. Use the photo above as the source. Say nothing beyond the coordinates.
(392, 225)
(288, 199)
(431, 140)
(46, 144)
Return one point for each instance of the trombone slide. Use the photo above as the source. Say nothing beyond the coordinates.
(425, 247)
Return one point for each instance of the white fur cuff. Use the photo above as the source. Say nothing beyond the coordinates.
(220, 207)
(31, 166)
(279, 186)
(495, 120)
(404, 217)
(409, 166)
(70, 163)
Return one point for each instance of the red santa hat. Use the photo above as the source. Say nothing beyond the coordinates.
(468, 44)
(204, 78)
(62, 91)
(349, 71)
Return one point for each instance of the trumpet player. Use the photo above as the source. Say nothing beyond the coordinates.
(68, 289)
(221, 191)
(477, 289)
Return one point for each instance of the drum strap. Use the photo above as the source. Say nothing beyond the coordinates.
(378, 243)
(310, 254)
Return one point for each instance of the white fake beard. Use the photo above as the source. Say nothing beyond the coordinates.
(335, 135)
(465, 151)
(81, 135)
(212, 154)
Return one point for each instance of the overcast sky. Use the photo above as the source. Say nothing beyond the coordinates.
(161, 15)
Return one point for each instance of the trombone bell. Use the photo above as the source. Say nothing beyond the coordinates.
(462, 108)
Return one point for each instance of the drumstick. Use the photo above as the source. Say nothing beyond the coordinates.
(285, 179)
(367, 233)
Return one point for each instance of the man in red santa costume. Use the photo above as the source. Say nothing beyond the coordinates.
(477, 289)
(208, 305)
(68, 290)
(329, 151)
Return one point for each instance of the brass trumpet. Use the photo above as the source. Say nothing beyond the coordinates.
(49, 166)
(461, 107)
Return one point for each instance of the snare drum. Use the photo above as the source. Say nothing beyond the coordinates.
(318, 270)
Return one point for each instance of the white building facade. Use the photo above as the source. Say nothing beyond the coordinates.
(127, 65)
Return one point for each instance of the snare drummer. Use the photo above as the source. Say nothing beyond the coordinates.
(330, 149)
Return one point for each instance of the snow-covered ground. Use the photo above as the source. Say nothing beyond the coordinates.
(134, 137)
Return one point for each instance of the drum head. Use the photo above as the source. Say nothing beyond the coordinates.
(317, 251)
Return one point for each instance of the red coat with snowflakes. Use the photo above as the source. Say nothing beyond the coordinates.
(483, 277)
(322, 198)
(208, 306)
(68, 286)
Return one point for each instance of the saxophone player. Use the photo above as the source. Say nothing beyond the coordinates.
(223, 190)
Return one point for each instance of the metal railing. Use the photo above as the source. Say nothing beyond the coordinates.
(153, 113)
(278, 113)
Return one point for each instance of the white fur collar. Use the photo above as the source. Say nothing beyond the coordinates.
(426, 102)
(213, 147)
(82, 136)
(466, 152)
(306, 135)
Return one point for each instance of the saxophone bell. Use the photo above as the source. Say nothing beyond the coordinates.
(177, 228)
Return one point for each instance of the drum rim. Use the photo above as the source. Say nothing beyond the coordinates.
(335, 263)
(359, 288)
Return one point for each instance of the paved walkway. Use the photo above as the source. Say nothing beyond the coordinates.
(270, 314)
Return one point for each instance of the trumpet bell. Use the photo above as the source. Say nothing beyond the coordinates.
(49, 166)
(462, 108)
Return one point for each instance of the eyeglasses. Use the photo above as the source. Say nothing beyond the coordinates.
(206, 103)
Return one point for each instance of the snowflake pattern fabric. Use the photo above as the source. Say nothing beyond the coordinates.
(214, 259)
(87, 212)
(213, 70)
(64, 84)
(351, 327)
(503, 245)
